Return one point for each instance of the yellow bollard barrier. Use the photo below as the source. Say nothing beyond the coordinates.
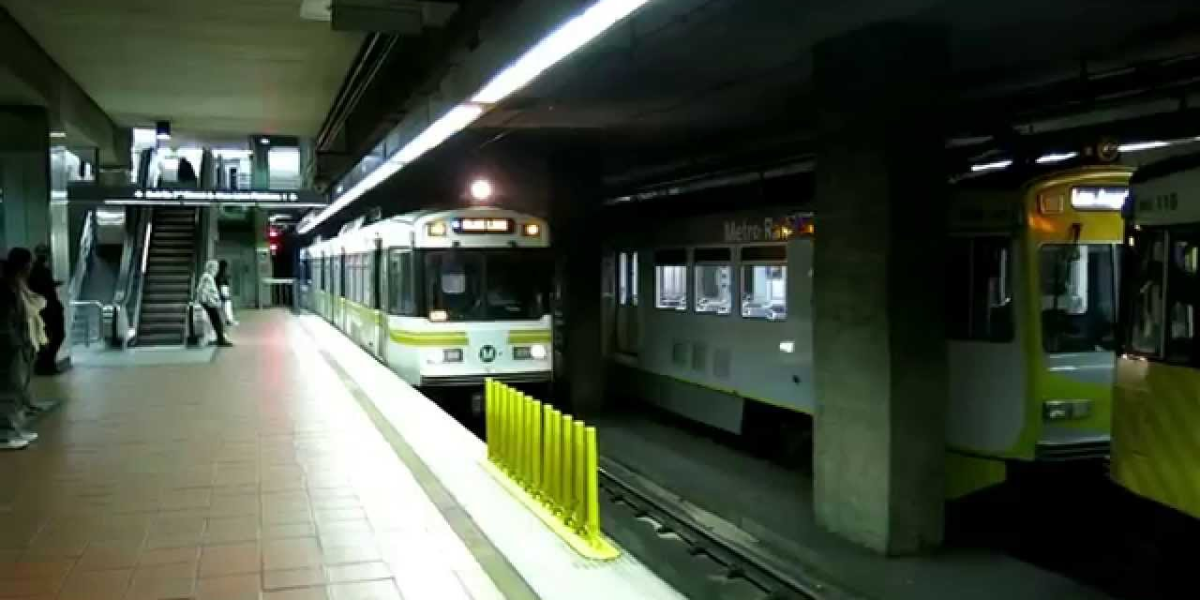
(593, 488)
(535, 450)
(548, 460)
(555, 485)
(578, 453)
(489, 388)
(568, 468)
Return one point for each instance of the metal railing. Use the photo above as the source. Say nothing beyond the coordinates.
(90, 314)
(280, 292)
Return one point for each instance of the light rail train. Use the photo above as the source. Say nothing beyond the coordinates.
(710, 318)
(1156, 411)
(445, 298)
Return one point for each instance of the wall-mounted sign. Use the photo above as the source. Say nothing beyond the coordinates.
(133, 195)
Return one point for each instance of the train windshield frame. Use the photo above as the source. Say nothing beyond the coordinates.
(1078, 292)
(487, 284)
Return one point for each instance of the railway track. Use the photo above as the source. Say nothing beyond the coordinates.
(730, 564)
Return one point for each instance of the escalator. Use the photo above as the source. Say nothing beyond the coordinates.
(168, 277)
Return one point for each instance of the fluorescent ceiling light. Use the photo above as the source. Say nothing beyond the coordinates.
(451, 123)
(559, 44)
(992, 166)
(1139, 146)
(568, 38)
(58, 135)
(1055, 158)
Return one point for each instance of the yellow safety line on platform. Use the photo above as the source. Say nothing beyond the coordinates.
(549, 461)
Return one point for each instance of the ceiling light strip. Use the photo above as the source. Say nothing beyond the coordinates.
(560, 43)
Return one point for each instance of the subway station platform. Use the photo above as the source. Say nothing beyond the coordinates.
(290, 467)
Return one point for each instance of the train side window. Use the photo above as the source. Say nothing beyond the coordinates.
(403, 301)
(714, 280)
(978, 289)
(764, 282)
(1147, 282)
(670, 277)
(1183, 297)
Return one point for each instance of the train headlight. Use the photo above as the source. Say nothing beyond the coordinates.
(438, 315)
(443, 355)
(1064, 410)
(436, 229)
(534, 352)
(531, 230)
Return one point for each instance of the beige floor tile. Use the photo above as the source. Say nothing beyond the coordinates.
(358, 572)
(224, 505)
(293, 578)
(336, 555)
(97, 585)
(170, 571)
(181, 499)
(231, 529)
(161, 589)
(21, 588)
(233, 587)
(357, 526)
(231, 559)
(291, 553)
(365, 590)
(338, 515)
(58, 545)
(110, 555)
(286, 517)
(289, 530)
(168, 556)
(34, 568)
(312, 593)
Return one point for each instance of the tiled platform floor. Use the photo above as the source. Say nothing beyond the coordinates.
(253, 476)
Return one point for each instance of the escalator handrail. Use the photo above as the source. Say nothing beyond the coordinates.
(133, 303)
(87, 243)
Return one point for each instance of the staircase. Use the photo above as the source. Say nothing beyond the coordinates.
(167, 283)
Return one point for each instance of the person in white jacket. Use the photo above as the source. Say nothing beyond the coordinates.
(209, 297)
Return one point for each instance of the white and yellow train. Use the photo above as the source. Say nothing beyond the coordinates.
(1156, 409)
(444, 298)
(711, 318)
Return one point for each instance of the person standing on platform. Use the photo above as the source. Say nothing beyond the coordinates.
(22, 333)
(226, 292)
(41, 281)
(209, 297)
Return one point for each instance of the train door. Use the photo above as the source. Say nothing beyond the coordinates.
(627, 334)
(379, 297)
(336, 291)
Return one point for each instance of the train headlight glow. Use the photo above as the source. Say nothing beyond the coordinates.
(534, 352)
(437, 229)
(532, 230)
(438, 315)
(481, 189)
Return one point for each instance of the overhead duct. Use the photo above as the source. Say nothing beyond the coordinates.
(401, 17)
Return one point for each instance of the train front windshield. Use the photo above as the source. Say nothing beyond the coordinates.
(488, 285)
(1078, 284)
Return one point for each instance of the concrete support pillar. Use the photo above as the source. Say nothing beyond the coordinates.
(578, 360)
(25, 176)
(880, 347)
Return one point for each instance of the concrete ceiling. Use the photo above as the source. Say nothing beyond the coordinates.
(215, 68)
